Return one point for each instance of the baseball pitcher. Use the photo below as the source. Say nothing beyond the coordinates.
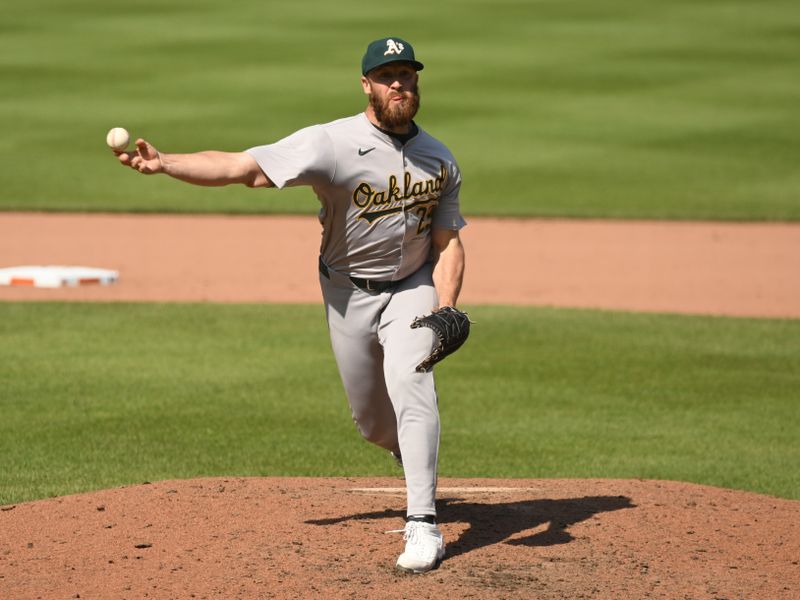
(390, 267)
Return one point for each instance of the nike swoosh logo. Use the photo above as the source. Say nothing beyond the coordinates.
(367, 151)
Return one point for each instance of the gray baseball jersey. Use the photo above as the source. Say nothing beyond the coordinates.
(379, 197)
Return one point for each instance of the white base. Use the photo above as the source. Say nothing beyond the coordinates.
(53, 276)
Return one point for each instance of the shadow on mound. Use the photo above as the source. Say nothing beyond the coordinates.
(494, 523)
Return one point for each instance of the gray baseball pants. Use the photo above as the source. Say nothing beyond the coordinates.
(377, 352)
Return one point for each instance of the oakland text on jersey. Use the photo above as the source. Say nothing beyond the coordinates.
(377, 204)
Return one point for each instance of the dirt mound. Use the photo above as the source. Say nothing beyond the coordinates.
(305, 537)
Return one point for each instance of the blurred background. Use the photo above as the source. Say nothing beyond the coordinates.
(624, 108)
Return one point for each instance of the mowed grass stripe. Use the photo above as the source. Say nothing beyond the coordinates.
(100, 395)
(623, 108)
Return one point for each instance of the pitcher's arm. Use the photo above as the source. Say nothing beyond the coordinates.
(208, 168)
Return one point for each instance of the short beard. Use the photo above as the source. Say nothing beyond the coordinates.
(395, 116)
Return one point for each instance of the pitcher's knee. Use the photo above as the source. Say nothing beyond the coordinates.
(382, 435)
(403, 378)
(412, 390)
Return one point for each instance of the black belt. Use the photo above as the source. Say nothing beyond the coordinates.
(371, 286)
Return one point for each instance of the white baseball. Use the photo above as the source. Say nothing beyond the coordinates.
(118, 138)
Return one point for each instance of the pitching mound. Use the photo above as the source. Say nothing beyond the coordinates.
(302, 537)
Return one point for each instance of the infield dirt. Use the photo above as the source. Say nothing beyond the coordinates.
(304, 538)
(737, 269)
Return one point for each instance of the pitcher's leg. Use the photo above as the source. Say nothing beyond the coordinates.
(413, 394)
(353, 323)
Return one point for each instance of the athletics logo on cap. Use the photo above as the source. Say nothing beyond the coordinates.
(387, 50)
(393, 47)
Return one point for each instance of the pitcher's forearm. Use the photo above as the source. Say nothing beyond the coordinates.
(448, 273)
(211, 168)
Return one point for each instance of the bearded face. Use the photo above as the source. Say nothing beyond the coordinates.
(392, 113)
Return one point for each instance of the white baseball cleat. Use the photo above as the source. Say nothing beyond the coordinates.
(424, 548)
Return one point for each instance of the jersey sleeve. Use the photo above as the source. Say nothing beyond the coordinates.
(448, 212)
(306, 157)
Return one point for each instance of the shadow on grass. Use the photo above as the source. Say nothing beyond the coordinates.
(494, 523)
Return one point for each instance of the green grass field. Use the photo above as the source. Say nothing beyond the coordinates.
(100, 395)
(625, 108)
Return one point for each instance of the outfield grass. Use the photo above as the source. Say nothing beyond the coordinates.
(624, 108)
(101, 395)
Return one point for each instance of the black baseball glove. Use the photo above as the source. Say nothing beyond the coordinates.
(451, 327)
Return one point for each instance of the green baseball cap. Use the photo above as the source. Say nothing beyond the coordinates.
(388, 50)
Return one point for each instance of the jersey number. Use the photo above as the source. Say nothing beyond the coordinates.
(425, 215)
